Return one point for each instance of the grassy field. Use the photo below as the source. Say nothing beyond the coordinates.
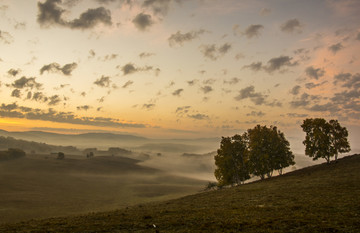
(39, 186)
(321, 198)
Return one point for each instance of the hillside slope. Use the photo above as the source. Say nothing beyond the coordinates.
(322, 198)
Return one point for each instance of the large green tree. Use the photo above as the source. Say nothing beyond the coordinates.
(232, 161)
(324, 139)
(259, 151)
(269, 150)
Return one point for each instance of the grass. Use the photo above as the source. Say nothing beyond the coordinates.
(321, 198)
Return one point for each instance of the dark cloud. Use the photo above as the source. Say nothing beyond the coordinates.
(6, 37)
(192, 82)
(314, 73)
(255, 66)
(249, 92)
(358, 36)
(336, 47)
(110, 57)
(181, 111)
(296, 115)
(328, 107)
(55, 67)
(232, 81)
(145, 55)
(130, 68)
(304, 100)
(142, 21)
(253, 30)
(213, 52)
(83, 107)
(13, 72)
(127, 84)
(295, 90)
(15, 111)
(104, 81)
(177, 92)
(51, 13)
(91, 18)
(312, 85)
(160, 7)
(39, 97)
(206, 89)
(277, 63)
(16, 93)
(291, 26)
(180, 38)
(256, 114)
(198, 116)
(54, 100)
(274, 64)
(24, 82)
(148, 106)
(348, 80)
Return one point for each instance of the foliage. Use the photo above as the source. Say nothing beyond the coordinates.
(258, 151)
(324, 139)
(211, 186)
(269, 150)
(232, 161)
(12, 153)
(61, 155)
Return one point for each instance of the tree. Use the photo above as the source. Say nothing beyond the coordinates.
(259, 151)
(269, 150)
(61, 155)
(232, 161)
(324, 139)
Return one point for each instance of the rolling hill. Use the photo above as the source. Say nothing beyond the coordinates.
(321, 198)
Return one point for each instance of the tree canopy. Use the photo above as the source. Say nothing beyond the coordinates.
(324, 139)
(257, 152)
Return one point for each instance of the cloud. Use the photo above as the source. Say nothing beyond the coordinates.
(51, 13)
(13, 72)
(142, 21)
(55, 67)
(253, 30)
(249, 92)
(232, 81)
(158, 6)
(15, 111)
(295, 90)
(206, 89)
(24, 82)
(256, 114)
(213, 52)
(314, 73)
(274, 64)
(358, 36)
(277, 63)
(179, 38)
(130, 68)
(6, 37)
(91, 18)
(304, 100)
(127, 84)
(16, 93)
(145, 55)
(83, 107)
(336, 47)
(198, 116)
(54, 100)
(255, 66)
(180, 111)
(296, 115)
(192, 82)
(104, 81)
(148, 106)
(312, 85)
(177, 92)
(291, 26)
(348, 80)
(265, 11)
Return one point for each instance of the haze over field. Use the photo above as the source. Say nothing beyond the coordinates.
(177, 68)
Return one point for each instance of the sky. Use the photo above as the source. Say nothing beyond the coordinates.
(178, 68)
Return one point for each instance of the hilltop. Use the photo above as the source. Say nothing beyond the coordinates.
(321, 198)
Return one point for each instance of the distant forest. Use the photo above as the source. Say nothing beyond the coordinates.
(33, 147)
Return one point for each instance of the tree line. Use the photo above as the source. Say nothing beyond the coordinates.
(262, 150)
